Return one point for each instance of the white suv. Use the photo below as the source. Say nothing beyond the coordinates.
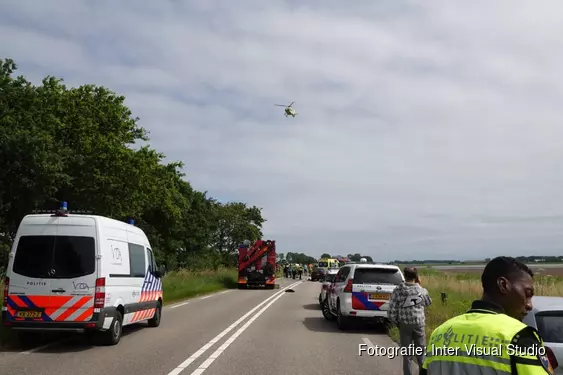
(361, 291)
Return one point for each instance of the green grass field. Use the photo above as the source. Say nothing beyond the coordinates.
(462, 289)
(177, 286)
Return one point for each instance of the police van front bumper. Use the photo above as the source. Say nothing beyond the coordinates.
(96, 323)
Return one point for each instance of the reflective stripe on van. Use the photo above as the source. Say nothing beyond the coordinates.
(50, 309)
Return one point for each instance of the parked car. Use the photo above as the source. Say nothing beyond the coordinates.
(318, 273)
(361, 292)
(81, 273)
(329, 278)
(547, 317)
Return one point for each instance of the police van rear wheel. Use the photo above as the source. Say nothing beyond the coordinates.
(113, 335)
(155, 320)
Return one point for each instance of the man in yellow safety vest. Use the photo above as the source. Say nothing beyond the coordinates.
(490, 338)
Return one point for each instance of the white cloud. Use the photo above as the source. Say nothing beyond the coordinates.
(423, 131)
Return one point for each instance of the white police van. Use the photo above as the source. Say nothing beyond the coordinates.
(82, 273)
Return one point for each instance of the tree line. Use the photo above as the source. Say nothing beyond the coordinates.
(352, 257)
(80, 145)
(298, 258)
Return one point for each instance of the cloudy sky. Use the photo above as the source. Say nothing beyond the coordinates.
(423, 131)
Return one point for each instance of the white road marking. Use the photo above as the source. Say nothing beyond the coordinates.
(45, 346)
(204, 297)
(200, 370)
(180, 305)
(212, 342)
(368, 342)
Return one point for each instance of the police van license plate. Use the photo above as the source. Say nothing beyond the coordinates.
(28, 314)
(384, 296)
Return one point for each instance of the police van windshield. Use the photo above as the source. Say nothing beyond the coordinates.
(323, 264)
(55, 257)
(550, 326)
(377, 276)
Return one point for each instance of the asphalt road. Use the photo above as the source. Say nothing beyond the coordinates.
(285, 334)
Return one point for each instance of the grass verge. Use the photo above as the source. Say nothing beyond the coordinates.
(187, 284)
(461, 290)
(177, 286)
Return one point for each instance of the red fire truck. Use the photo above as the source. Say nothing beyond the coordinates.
(257, 265)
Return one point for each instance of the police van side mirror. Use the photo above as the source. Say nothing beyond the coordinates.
(160, 272)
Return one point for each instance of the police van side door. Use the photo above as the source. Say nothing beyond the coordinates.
(137, 278)
(154, 288)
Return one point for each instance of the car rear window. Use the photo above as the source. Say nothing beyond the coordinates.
(550, 326)
(377, 276)
(55, 257)
(330, 277)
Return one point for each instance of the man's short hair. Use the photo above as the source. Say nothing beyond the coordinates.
(410, 273)
(508, 267)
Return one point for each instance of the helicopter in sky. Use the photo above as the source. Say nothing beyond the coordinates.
(289, 111)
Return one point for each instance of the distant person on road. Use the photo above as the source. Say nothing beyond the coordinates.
(406, 310)
(493, 321)
(300, 272)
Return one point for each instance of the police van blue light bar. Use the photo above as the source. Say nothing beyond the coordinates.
(131, 221)
(62, 211)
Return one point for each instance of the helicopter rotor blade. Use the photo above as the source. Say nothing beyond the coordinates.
(281, 105)
(291, 104)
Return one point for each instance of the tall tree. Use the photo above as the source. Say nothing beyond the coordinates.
(76, 144)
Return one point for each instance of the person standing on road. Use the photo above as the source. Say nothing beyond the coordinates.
(406, 310)
(494, 321)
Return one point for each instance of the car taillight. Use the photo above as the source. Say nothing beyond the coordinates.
(551, 357)
(100, 294)
(348, 287)
(6, 287)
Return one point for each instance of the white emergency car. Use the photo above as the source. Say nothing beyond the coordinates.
(81, 273)
(361, 291)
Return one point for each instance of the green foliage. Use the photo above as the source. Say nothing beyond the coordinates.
(78, 145)
(186, 284)
(299, 258)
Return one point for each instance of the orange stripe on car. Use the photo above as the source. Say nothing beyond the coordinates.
(81, 302)
(41, 301)
(86, 314)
